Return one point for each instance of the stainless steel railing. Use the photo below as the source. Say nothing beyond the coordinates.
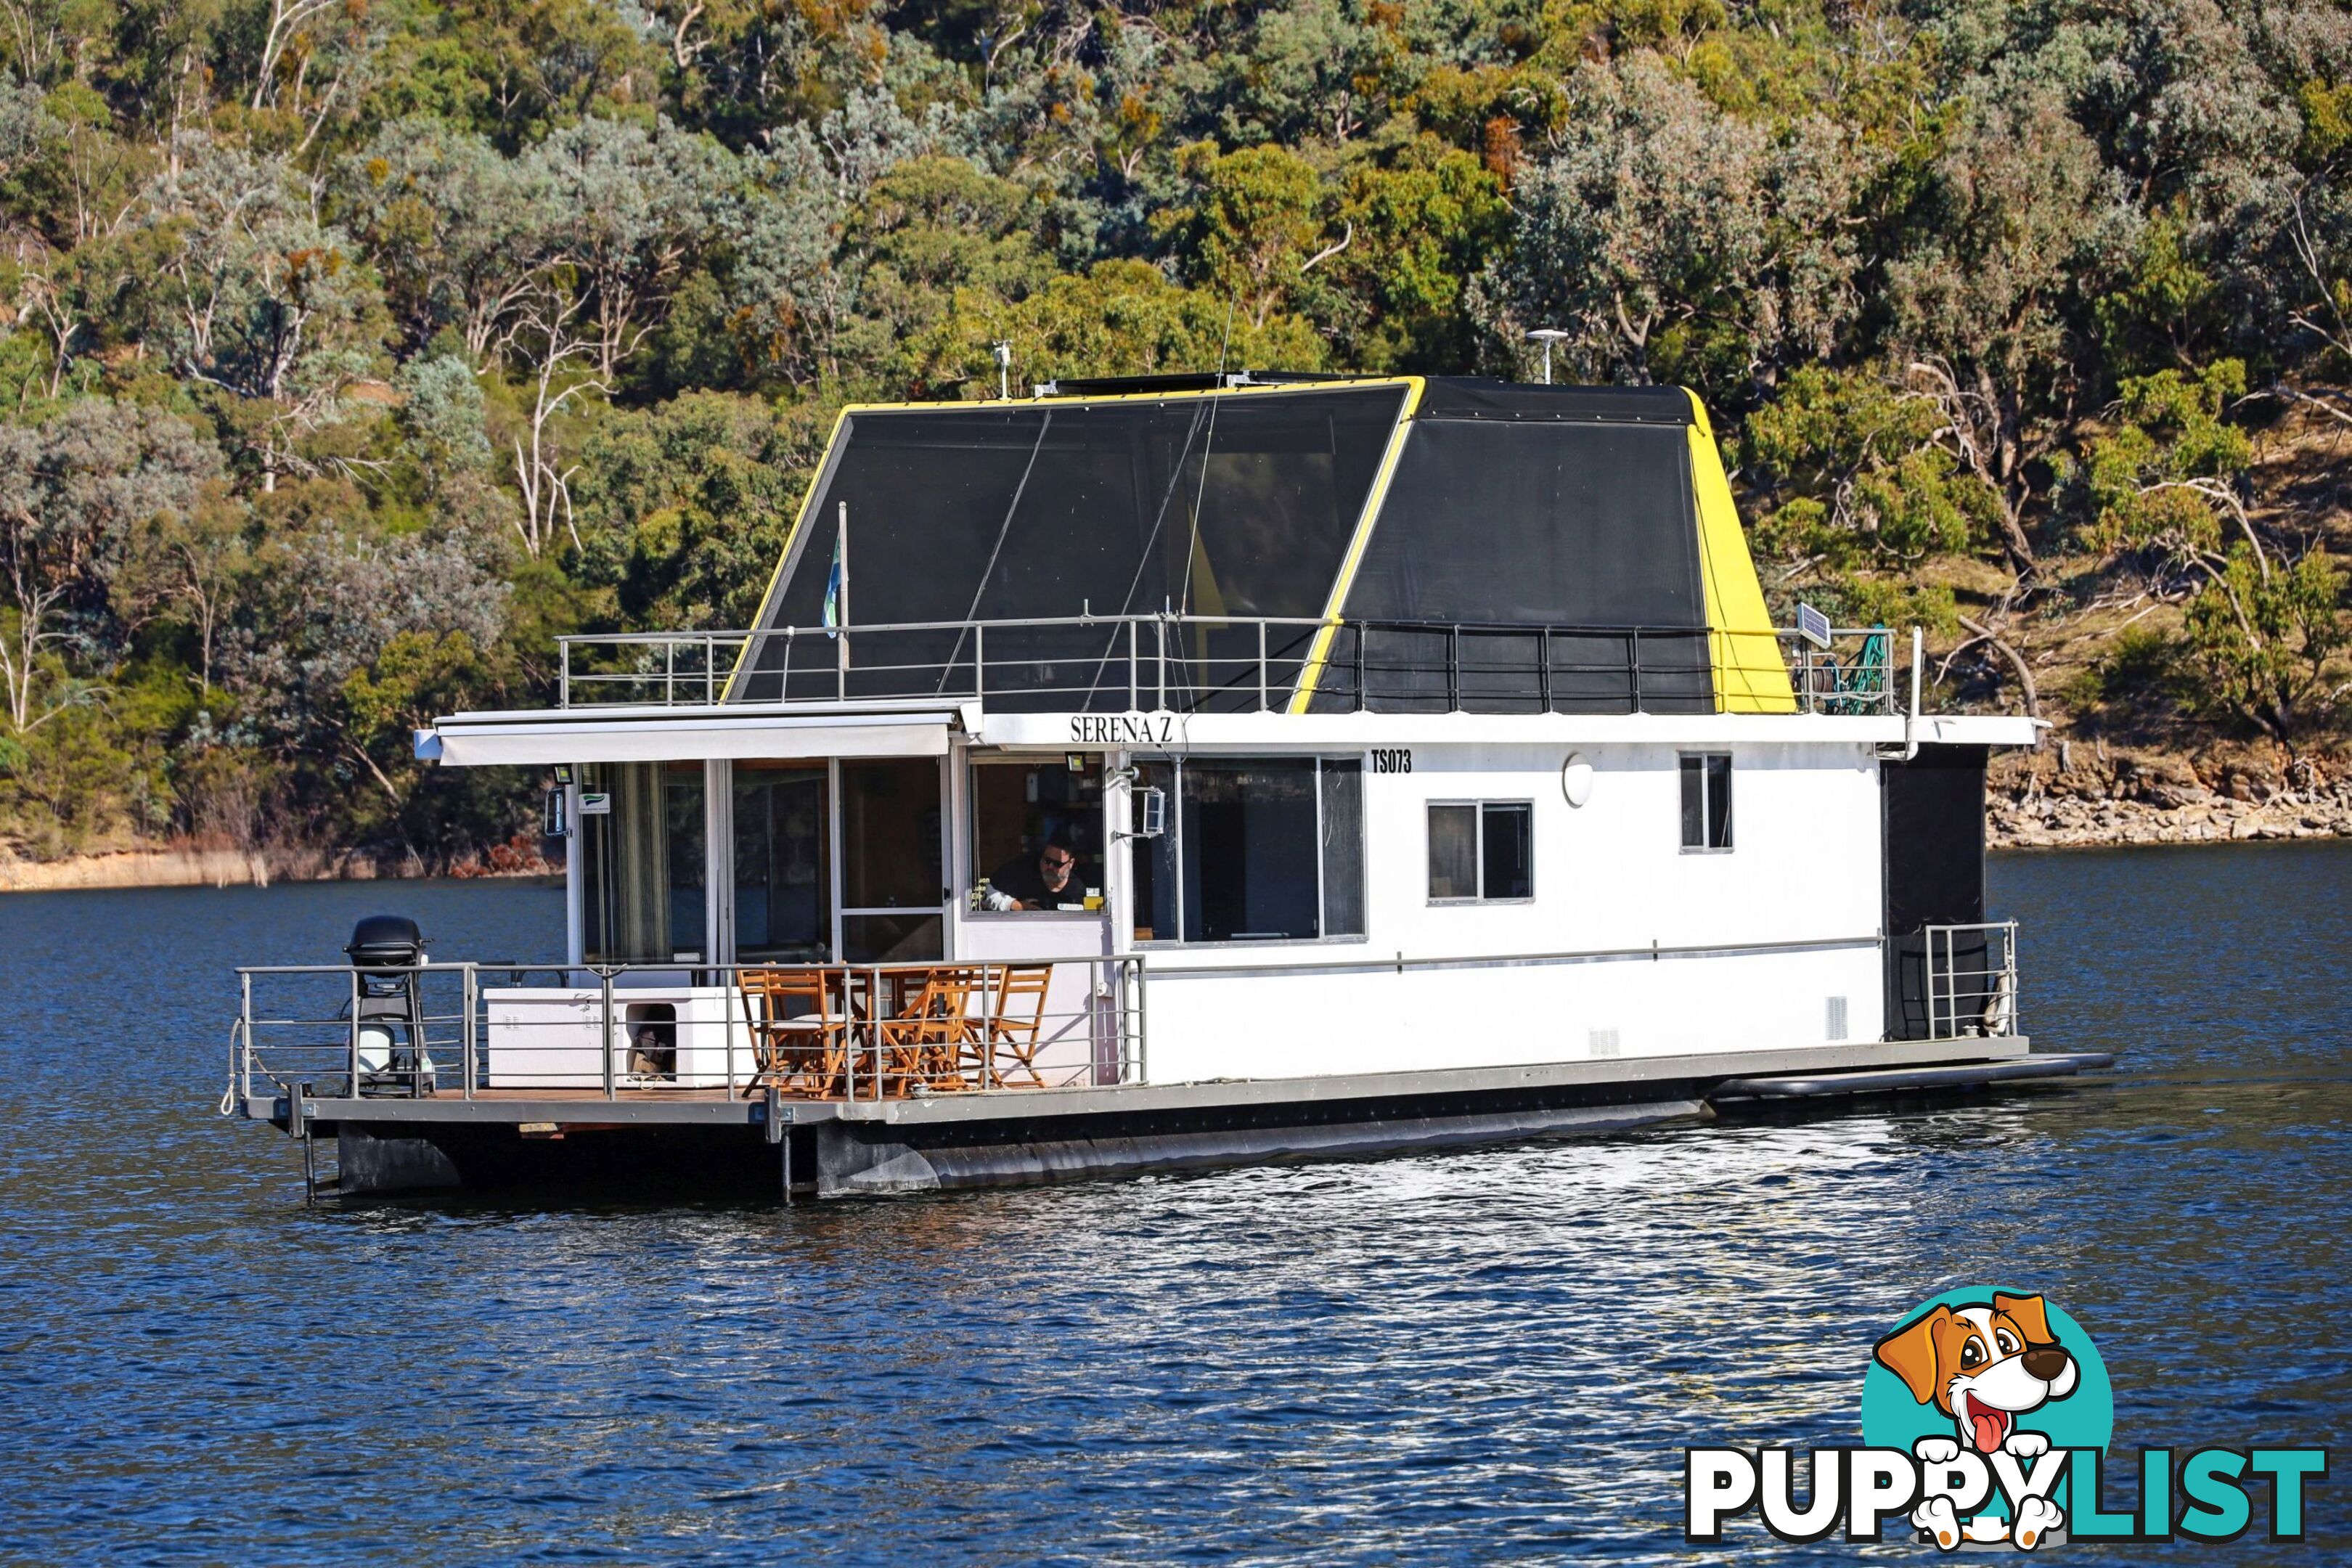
(1213, 664)
(477, 1030)
(1971, 974)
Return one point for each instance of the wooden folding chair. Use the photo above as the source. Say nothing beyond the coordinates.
(1014, 1010)
(800, 1030)
(922, 1044)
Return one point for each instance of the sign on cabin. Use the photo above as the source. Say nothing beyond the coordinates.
(1157, 729)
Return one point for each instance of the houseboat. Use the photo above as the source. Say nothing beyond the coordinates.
(1174, 771)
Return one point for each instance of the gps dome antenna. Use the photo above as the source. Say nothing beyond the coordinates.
(1547, 336)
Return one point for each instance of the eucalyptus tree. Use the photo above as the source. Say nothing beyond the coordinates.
(73, 491)
(1672, 240)
(459, 233)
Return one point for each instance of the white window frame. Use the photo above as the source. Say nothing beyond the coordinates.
(1730, 822)
(1478, 840)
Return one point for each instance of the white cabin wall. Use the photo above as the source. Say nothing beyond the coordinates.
(1609, 876)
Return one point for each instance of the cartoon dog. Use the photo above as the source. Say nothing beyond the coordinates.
(1983, 1365)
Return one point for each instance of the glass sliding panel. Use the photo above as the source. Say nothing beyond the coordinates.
(643, 862)
(684, 830)
(783, 875)
(1507, 843)
(890, 834)
(1343, 849)
(1718, 802)
(1252, 862)
(908, 938)
(1036, 834)
(1453, 851)
(1694, 782)
(1156, 881)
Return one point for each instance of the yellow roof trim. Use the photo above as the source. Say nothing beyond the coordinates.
(1310, 673)
(1749, 675)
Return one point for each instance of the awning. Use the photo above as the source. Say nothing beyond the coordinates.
(665, 736)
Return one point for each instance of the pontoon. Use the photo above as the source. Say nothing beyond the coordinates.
(1172, 771)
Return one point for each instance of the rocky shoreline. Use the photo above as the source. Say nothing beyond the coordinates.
(2061, 822)
(189, 866)
(2069, 795)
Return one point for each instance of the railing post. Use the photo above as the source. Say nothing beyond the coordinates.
(1633, 664)
(607, 1032)
(1453, 669)
(1133, 673)
(669, 671)
(240, 1056)
(1363, 632)
(1261, 665)
(355, 1033)
(1160, 630)
(1543, 667)
(978, 660)
(709, 670)
(469, 1047)
(563, 677)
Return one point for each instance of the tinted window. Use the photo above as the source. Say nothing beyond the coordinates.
(1706, 801)
(1453, 851)
(1507, 844)
(1251, 860)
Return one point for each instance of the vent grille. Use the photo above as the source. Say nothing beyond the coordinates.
(1837, 1030)
(1604, 1042)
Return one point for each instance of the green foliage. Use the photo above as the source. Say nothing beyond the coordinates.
(353, 359)
(1859, 476)
(2165, 477)
(2263, 640)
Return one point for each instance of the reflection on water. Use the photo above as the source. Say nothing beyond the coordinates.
(1455, 1358)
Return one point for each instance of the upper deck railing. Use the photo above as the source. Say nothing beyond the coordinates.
(1202, 664)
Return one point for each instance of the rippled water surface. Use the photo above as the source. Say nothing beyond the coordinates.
(1463, 1358)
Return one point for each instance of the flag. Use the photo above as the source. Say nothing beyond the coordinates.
(834, 585)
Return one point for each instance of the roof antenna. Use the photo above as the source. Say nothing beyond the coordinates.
(1207, 447)
(1547, 336)
(1003, 351)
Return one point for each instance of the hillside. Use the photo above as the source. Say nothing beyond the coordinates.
(358, 349)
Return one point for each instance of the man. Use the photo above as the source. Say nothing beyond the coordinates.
(1039, 882)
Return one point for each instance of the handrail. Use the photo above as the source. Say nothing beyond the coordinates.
(1971, 990)
(443, 1033)
(1228, 663)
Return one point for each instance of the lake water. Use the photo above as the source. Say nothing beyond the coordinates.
(1469, 1357)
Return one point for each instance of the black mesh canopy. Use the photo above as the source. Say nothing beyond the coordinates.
(1518, 507)
(1536, 548)
(1238, 505)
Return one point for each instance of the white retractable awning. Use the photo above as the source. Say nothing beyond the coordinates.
(665, 735)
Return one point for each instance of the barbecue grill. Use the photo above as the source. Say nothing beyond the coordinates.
(389, 1048)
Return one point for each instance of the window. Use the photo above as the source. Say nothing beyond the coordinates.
(1706, 801)
(783, 870)
(1267, 851)
(1036, 834)
(643, 856)
(1481, 851)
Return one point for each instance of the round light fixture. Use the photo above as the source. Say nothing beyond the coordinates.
(1576, 779)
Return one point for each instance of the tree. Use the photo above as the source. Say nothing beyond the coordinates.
(633, 206)
(459, 234)
(72, 490)
(258, 300)
(1673, 241)
(684, 509)
(1253, 228)
(1850, 468)
(2263, 639)
(2016, 223)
